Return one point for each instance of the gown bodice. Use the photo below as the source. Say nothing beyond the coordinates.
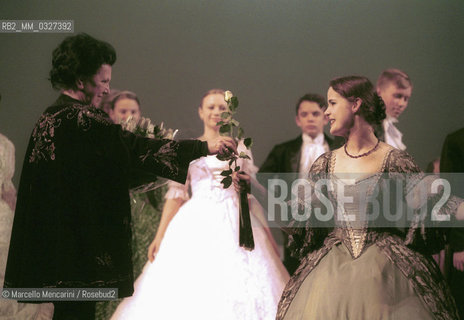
(351, 223)
(205, 178)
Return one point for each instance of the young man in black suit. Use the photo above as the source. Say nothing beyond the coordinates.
(297, 155)
(452, 161)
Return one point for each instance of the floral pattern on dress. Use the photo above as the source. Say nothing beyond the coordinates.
(43, 134)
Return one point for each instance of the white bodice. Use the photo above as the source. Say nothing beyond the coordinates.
(204, 179)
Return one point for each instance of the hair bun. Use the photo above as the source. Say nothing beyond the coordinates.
(379, 108)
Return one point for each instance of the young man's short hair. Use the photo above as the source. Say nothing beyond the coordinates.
(395, 76)
(312, 97)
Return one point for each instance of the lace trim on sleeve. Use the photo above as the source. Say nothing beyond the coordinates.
(402, 166)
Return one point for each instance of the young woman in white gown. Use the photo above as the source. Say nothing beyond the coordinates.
(197, 269)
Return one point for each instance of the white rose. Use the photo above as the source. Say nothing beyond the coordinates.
(228, 95)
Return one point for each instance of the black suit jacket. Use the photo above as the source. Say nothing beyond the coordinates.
(285, 157)
(452, 161)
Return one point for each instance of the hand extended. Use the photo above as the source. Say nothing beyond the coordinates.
(241, 181)
(222, 144)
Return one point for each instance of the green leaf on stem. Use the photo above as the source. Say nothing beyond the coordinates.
(237, 168)
(226, 172)
(225, 115)
(240, 133)
(226, 156)
(234, 123)
(233, 104)
(225, 128)
(248, 142)
(243, 155)
(227, 181)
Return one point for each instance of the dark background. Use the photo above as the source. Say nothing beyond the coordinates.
(268, 52)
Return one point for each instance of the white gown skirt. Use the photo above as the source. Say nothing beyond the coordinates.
(200, 272)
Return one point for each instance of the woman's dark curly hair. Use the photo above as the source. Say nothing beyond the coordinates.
(79, 57)
(352, 87)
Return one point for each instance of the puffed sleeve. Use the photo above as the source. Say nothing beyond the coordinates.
(177, 190)
(420, 189)
(428, 197)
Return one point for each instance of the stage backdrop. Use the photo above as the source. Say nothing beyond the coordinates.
(268, 52)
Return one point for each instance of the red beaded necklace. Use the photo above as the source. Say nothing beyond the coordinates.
(362, 154)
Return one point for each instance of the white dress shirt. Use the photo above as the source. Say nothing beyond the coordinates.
(311, 149)
(393, 136)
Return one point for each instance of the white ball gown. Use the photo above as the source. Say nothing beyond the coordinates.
(200, 272)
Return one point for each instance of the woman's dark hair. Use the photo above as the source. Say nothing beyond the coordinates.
(79, 57)
(352, 87)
